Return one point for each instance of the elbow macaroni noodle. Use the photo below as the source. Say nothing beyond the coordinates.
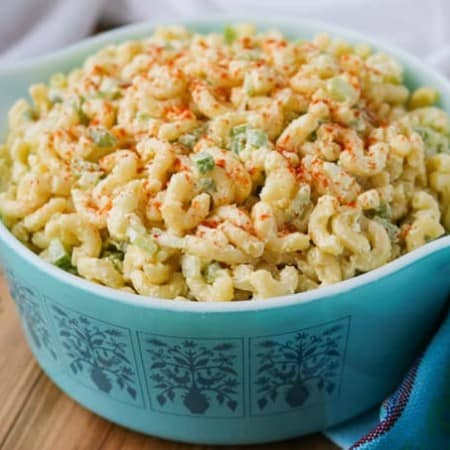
(226, 167)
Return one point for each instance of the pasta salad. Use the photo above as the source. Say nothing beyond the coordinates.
(226, 166)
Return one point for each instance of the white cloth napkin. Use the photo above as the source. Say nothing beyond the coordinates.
(32, 27)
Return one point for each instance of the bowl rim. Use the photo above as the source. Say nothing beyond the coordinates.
(147, 302)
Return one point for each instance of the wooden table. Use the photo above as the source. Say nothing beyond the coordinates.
(36, 415)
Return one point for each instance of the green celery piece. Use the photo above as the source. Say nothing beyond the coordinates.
(211, 272)
(204, 162)
(229, 35)
(66, 264)
(191, 138)
(102, 138)
(256, 138)
(238, 138)
(56, 251)
(113, 250)
(117, 261)
(188, 140)
(59, 256)
(237, 144)
(207, 184)
(434, 142)
(77, 105)
(238, 130)
(243, 136)
(392, 229)
(383, 211)
(143, 116)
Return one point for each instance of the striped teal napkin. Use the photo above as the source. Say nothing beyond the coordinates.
(417, 415)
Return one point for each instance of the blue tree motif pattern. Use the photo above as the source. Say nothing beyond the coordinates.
(194, 376)
(31, 311)
(98, 351)
(299, 368)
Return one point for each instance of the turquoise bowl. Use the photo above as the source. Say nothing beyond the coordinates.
(228, 373)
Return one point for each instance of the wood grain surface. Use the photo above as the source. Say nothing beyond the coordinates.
(36, 415)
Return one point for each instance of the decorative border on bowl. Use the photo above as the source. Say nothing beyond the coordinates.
(197, 377)
(97, 354)
(297, 369)
(210, 377)
(33, 316)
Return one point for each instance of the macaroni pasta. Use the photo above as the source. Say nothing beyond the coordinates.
(226, 166)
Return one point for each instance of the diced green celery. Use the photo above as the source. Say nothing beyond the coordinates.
(116, 261)
(71, 269)
(229, 35)
(56, 251)
(64, 263)
(113, 250)
(58, 256)
(190, 139)
(211, 272)
(77, 105)
(383, 211)
(256, 138)
(143, 116)
(187, 140)
(433, 141)
(392, 229)
(341, 90)
(238, 130)
(204, 162)
(207, 184)
(243, 136)
(237, 144)
(102, 138)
